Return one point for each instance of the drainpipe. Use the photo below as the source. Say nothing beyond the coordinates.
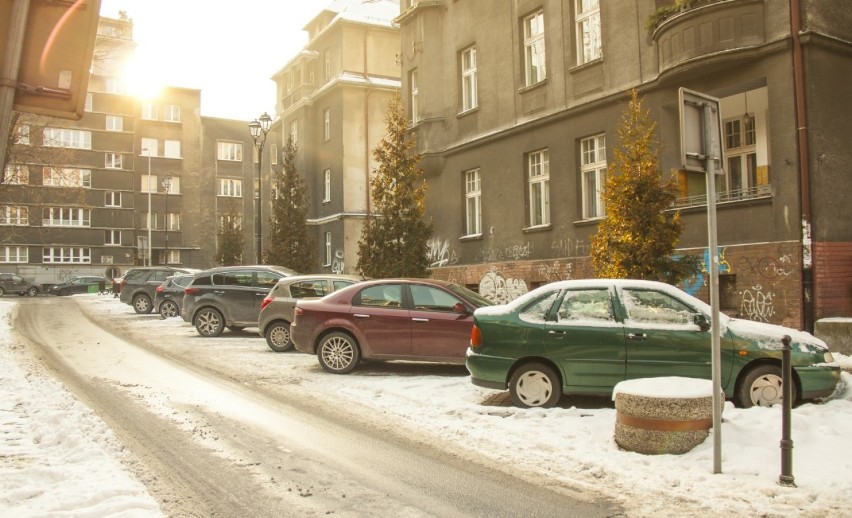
(804, 168)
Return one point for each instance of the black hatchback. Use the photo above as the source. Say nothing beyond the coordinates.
(140, 284)
(168, 297)
(229, 296)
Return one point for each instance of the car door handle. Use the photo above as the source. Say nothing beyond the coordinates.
(219, 292)
(556, 334)
(420, 319)
(360, 315)
(637, 336)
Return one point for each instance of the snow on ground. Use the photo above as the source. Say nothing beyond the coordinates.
(55, 454)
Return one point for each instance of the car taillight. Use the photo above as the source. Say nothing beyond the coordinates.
(191, 291)
(160, 289)
(475, 337)
(265, 302)
(297, 311)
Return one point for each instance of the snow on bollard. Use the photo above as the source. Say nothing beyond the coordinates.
(663, 415)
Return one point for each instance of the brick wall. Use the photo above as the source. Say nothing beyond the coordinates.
(833, 279)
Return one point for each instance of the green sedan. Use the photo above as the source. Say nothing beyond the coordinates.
(585, 336)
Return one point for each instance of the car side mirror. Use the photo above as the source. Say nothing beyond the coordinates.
(701, 321)
(458, 307)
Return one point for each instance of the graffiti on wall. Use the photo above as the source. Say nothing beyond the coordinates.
(757, 304)
(500, 290)
(64, 274)
(570, 247)
(693, 285)
(768, 268)
(555, 271)
(512, 252)
(440, 253)
(337, 264)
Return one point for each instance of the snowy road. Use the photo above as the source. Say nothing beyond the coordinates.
(213, 440)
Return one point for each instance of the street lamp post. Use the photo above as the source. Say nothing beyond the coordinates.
(148, 152)
(167, 185)
(258, 129)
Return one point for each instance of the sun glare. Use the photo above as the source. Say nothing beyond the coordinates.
(142, 80)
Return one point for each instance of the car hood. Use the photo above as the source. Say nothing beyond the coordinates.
(768, 336)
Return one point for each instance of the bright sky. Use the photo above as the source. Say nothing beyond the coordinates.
(228, 50)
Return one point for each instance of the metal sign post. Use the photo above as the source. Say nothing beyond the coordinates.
(700, 147)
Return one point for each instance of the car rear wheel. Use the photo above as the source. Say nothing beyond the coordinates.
(762, 386)
(2, 291)
(142, 304)
(338, 353)
(535, 385)
(168, 309)
(32, 291)
(278, 337)
(209, 322)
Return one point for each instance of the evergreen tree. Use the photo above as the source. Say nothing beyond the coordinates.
(290, 244)
(639, 233)
(230, 239)
(394, 240)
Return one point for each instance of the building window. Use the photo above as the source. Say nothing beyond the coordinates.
(112, 161)
(70, 138)
(538, 169)
(326, 125)
(234, 222)
(88, 106)
(230, 187)
(22, 135)
(114, 123)
(150, 146)
(473, 202)
(741, 173)
(232, 151)
(113, 86)
(413, 94)
(171, 113)
(66, 217)
(327, 255)
(534, 69)
(174, 185)
(14, 254)
(17, 174)
(14, 215)
(326, 64)
(66, 177)
(170, 257)
(588, 30)
(171, 148)
(173, 221)
(468, 75)
(273, 155)
(149, 217)
(593, 175)
(294, 132)
(112, 238)
(112, 199)
(148, 183)
(67, 254)
(149, 111)
(326, 191)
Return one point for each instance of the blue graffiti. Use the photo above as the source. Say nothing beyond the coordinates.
(693, 284)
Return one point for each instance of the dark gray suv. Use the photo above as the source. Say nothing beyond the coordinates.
(140, 285)
(229, 296)
(14, 283)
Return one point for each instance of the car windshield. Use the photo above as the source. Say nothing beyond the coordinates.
(471, 296)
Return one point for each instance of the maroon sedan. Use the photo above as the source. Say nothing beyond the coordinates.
(387, 319)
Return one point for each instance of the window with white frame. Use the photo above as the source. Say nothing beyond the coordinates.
(294, 132)
(113, 85)
(588, 16)
(172, 221)
(326, 125)
(88, 106)
(230, 187)
(66, 177)
(273, 155)
(67, 254)
(327, 254)
(112, 161)
(114, 123)
(171, 148)
(149, 220)
(232, 151)
(326, 64)
(150, 146)
(473, 202)
(170, 257)
(468, 79)
(14, 215)
(14, 254)
(22, 135)
(66, 217)
(233, 222)
(413, 96)
(148, 183)
(593, 175)
(112, 238)
(326, 190)
(17, 174)
(538, 171)
(171, 113)
(534, 67)
(68, 138)
(740, 155)
(112, 199)
(174, 185)
(149, 111)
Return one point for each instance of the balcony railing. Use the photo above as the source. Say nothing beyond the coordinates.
(751, 193)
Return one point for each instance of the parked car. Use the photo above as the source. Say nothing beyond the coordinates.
(277, 308)
(229, 296)
(585, 336)
(168, 297)
(139, 285)
(82, 284)
(14, 283)
(387, 319)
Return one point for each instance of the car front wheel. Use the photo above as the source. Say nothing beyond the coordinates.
(338, 353)
(2, 291)
(168, 309)
(762, 386)
(278, 337)
(32, 291)
(535, 385)
(142, 304)
(209, 322)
